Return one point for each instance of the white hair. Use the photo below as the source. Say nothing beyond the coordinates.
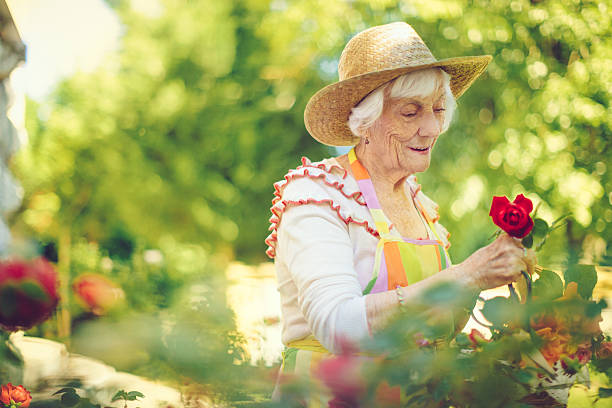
(420, 83)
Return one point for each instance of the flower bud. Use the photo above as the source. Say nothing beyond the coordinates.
(96, 293)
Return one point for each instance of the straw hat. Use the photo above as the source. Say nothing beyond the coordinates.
(370, 59)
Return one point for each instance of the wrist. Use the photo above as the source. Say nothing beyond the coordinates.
(462, 276)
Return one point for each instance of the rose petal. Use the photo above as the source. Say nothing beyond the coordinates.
(524, 230)
(5, 394)
(498, 204)
(524, 203)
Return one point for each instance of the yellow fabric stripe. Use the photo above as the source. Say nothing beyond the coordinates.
(380, 220)
(309, 343)
(352, 156)
(412, 266)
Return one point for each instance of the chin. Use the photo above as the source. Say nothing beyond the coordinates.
(418, 166)
(420, 170)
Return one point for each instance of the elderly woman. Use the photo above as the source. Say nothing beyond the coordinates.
(353, 237)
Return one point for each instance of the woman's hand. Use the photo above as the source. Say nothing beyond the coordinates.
(497, 264)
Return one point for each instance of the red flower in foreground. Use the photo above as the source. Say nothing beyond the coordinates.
(477, 338)
(512, 217)
(583, 353)
(28, 293)
(11, 395)
(97, 293)
(342, 374)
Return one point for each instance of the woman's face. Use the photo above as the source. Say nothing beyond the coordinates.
(403, 136)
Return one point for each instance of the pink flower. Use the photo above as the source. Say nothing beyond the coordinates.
(421, 341)
(28, 293)
(341, 373)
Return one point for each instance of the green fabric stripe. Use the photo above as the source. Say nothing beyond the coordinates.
(371, 284)
(376, 271)
(411, 264)
(289, 356)
(442, 257)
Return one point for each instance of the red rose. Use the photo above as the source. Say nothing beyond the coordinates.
(477, 338)
(28, 293)
(512, 217)
(11, 395)
(97, 293)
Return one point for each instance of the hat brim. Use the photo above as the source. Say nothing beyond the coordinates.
(326, 114)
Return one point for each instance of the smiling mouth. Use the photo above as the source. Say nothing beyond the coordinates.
(420, 149)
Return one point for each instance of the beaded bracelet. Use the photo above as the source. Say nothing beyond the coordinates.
(400, 295)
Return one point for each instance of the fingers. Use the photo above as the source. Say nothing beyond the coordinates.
(527, 254)
(531, 260)
(499, 263)
(531, 257)
(516, 241)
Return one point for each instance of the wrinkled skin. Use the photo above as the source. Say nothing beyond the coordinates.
(405, 124)
(390, 158)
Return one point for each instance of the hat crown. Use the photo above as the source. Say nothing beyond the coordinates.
(379, 48)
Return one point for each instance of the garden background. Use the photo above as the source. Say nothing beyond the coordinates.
(155, 167)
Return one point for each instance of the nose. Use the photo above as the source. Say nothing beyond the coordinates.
(429, 126)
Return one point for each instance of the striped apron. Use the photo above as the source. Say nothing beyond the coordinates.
(398, 262)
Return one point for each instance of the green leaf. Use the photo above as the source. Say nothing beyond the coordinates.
(70, 399)
(34, 291)
(585, 276)
(442, 390)
(8, 301)
(463, 340)
(527, 241)
(605, 392)
(524, 376)
(64, 390)
(540, 228)
(499, 310)
(548, 285)
(557, 222)
(121, 394)
(132, 395)
(594, 309)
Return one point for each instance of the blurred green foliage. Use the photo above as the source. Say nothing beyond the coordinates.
(182, 133)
